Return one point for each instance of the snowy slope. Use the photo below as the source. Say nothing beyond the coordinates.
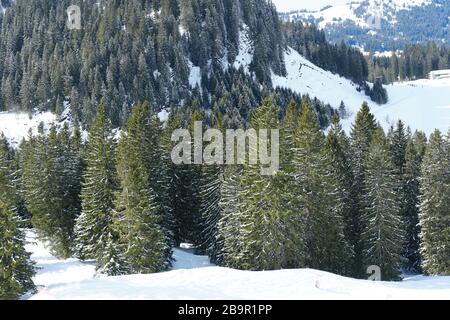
(194, 278)
(331, 12)
(422, 104)
(15, 126)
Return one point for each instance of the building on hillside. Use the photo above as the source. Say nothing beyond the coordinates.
(439, 74)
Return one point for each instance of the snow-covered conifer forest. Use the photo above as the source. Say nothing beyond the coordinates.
(92, 205)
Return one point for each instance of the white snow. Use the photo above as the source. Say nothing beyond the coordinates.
(15, 126)
(195, 76)
(422, 104)
(194, 277)
(246, 50)
(163, 115)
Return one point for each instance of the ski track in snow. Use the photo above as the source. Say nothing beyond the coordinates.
(194, 277)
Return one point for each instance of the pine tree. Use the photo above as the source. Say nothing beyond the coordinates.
(211, 196)
(318, 201)
(251, 224)
(16, 267)
(337, 147)
(139, 209)
(52, 182)
(407, 169)
(294, 228)
(411, 207)
(361, 138)
(383, 234)
(435, 204)
(94, 228)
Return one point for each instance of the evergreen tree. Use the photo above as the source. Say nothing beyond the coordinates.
(361, 138)
(250, 226)
(139, 209)
(16, 267)
(211, 196)
(319, 203)
(52, 182)
(337, 147)
(434, 208)
(94, 228)
(294, 222)
(383, 234)
(411, 207)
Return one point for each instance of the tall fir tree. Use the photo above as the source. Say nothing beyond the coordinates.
(361, 137)
(140, 211)
(412, 175)
(52, 181)
(383, 233)
(337, 148)
(294, 222)
(211, 196)
(94, 228)
(435, 204)
(318, 200)
(16, 267)
(251, 224)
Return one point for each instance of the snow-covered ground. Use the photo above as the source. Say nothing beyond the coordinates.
(193, 277)
(422, 104)
(15, 126)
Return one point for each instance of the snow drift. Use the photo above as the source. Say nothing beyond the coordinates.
(194, 277)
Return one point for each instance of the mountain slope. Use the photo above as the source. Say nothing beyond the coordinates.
(169, 53)
(378, 25)
(423, 104)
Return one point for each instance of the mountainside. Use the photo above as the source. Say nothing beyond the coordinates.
(380, 25)
(169, 53)
(422, 104)
(217, 54)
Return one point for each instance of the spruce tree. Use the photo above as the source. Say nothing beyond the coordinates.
(361, 138)
(251, 224)
(319, 203)
(435, 204)
(140, 211)
(52, 181)
(411, 207)
(94, 228)
(383, 233)
(294, 222)
(211, 196)
(337, 148)
(16, 267)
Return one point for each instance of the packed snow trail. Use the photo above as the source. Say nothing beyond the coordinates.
(194, 277)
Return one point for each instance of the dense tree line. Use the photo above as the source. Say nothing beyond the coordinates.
(129, 51)
(148, 50)
(414, 62)
(340, 58)
(338, 203)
